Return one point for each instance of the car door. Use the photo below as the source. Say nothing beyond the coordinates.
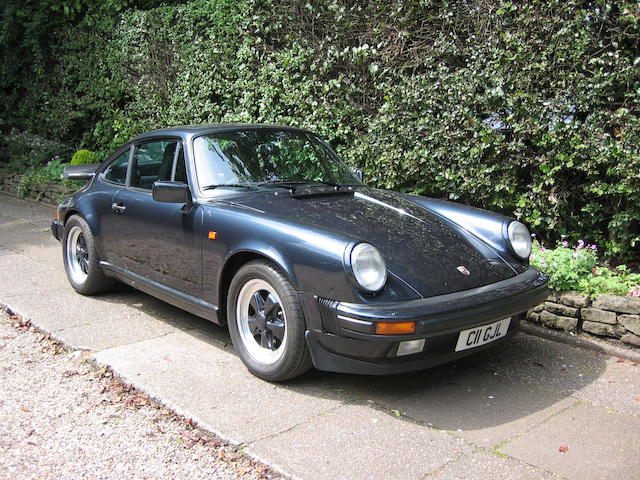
(159, 241)
(110, 180)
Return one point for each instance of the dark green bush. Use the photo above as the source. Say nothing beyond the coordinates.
(529, 108)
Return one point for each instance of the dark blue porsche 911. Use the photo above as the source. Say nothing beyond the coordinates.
(264, 229)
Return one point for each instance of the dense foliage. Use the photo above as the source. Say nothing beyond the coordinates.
(531, 108)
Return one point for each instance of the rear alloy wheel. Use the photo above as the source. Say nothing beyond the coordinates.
(266, 323)
(81, 260)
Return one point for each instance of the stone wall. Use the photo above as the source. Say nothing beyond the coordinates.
(49, 190)
(608, 316)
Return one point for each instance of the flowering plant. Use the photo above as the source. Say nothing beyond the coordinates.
(577, 268)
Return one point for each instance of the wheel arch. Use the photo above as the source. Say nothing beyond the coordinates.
(70, 213)
(235, 261)
(91, 221)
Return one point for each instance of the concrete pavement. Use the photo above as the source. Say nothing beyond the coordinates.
(503, 413)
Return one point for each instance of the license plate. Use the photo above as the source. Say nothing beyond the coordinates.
(474, 337)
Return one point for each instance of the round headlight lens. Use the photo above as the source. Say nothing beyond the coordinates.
(520, 239)
(368, 267)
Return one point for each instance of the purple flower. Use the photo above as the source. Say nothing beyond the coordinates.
(533, 235)
(565, 243)
(580, 245)
(594, 247)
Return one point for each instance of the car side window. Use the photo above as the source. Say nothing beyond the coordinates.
(180, 174)
(152, 161)
(116, 171)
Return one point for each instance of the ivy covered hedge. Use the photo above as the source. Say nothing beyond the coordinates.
(530, 108)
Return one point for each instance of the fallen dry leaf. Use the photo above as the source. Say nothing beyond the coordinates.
(19, 323)
(563, 448)
(628, 362)
(26, 409)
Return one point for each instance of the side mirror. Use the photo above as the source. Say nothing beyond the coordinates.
(171, 192)
(358, 173)
(80, 172)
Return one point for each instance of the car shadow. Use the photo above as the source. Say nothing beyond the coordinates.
(491, 394)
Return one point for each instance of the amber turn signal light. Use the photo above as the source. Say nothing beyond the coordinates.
(395, 328)
(212, 235)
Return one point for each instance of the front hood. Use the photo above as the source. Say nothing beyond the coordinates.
(420, 248)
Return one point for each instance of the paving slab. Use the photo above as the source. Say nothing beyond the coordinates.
(484, 409)
(617, 387)
(31, 237)
(482, 465)
(102, 335)
(200, 376)
(15, 208)
(105, 321)
(384, 390)
(358, 442)
(601, 444)
(21, 275)
(583, 374)
(541, 362)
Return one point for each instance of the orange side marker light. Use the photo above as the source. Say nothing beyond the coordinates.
(213, 235)
(395, 328)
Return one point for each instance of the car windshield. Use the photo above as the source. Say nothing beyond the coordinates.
(262, 158)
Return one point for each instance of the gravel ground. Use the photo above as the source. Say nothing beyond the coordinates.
(62, 417)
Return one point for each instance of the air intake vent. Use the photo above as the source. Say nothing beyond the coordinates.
(328, 314)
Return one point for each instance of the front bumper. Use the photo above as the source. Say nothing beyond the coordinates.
(344, 339)
(57, 228)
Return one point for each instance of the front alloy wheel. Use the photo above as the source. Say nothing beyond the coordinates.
(261, 321)
(266, 322)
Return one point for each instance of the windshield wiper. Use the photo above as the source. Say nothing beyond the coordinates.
(293, 183)
(219, 185)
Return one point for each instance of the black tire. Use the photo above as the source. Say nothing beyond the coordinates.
(263, 357)
(82, 268)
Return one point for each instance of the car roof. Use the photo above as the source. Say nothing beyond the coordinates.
(194, 130)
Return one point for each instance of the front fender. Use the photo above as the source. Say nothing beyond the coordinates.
(253, 248)
(488, 226)
(311, 259)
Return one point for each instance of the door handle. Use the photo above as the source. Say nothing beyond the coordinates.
(118, 207)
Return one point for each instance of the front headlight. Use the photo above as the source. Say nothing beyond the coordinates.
(368, 267)
(520, 239)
